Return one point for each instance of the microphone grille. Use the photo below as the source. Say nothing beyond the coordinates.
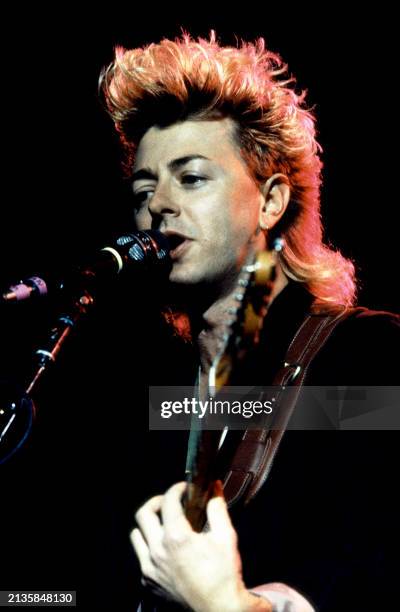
(146, 246)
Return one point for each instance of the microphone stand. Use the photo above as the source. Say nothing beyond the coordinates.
(144, 249)
(17, 409)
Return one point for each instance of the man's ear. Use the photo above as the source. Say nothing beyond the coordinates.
(276, 196)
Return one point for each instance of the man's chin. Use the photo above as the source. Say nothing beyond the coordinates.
(194, 280)
(183, 276)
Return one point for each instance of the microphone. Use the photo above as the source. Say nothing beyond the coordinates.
(147, 249)
(142, 250)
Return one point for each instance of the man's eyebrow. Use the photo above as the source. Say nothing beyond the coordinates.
(147, 173)
(181, 161)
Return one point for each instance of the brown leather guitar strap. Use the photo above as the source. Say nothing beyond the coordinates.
(256, 451)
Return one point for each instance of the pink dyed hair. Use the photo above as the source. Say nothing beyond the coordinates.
(168, 82)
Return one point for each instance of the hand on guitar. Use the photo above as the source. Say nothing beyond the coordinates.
(201, 571)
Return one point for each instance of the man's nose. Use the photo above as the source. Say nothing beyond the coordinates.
(162, 203)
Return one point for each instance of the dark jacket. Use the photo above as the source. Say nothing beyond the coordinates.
(324, 522)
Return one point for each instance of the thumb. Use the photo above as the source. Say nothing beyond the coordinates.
(218, 517)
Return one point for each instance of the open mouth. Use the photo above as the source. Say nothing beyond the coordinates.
(175, 241)
(177, 244)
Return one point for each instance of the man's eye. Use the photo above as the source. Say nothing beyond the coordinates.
(192, 179)
(141, 197)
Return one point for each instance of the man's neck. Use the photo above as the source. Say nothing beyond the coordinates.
(217, 317)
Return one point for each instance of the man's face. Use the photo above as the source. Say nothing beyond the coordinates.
(191, 183)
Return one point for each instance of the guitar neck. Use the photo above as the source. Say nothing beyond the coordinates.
(200, 475)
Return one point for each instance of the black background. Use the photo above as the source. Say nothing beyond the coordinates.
(62, 192)
(63, 197)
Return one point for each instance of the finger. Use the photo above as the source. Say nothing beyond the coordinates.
(142, 551)
(148, 520)
(218, 517)
(172, 512)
